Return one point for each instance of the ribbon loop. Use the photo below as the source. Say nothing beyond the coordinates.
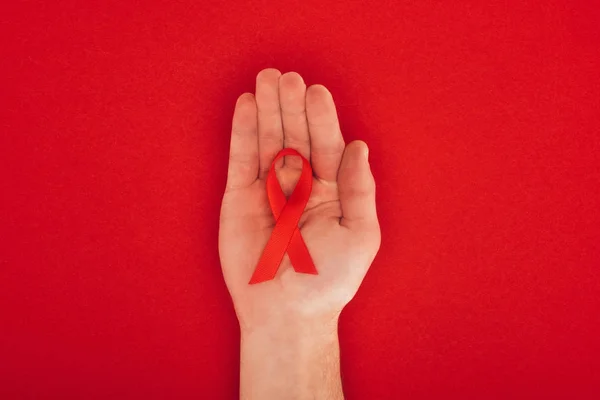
(286, 236)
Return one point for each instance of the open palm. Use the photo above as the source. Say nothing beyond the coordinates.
(339, 224)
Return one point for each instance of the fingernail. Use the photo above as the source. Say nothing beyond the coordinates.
(367, 152)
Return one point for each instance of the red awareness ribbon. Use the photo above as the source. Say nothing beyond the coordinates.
(286, 236)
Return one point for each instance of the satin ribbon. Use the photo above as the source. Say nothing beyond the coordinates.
(286, 236)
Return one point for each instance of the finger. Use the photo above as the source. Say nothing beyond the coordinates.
(356, 186)
(243, 152)
(326, 141)
(292, 95)
(270, 130)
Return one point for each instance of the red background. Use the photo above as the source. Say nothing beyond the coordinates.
(483, 122)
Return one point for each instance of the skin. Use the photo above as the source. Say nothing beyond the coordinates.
(289, 342)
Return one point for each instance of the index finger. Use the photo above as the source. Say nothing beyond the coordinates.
(326, 140)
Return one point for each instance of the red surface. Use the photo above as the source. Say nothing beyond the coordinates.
(483, 120)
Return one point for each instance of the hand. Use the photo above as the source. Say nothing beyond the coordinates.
(339, 224)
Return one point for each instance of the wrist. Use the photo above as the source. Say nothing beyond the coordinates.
(296, 339)
(296, 356)
(292, 327)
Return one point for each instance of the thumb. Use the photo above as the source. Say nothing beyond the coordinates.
(356, 186)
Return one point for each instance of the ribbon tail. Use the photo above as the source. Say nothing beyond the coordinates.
(300, 256)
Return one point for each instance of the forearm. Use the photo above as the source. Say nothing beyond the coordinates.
(291, 361)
